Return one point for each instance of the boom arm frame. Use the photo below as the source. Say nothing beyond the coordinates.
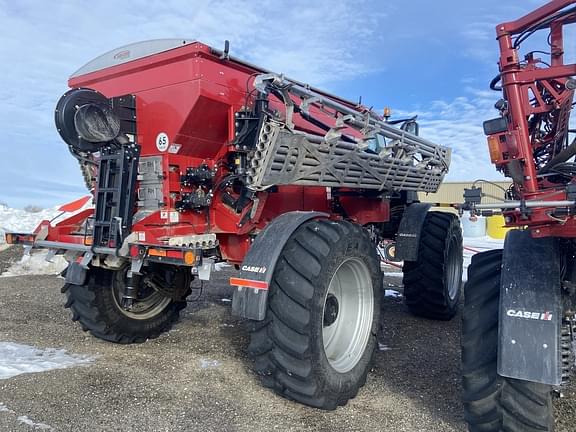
(531, 139)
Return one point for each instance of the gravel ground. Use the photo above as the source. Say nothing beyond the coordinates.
(161, 385)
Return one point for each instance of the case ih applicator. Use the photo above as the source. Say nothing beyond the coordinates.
(195, 157)
(519, 315)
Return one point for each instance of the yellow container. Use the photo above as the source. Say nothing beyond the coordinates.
(495, 227)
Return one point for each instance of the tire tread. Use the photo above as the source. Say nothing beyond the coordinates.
(89, 307)
(493, 403)
(424, 280)
(281, 345)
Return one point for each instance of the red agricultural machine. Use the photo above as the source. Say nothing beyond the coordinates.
(194, 157)
(520, 302)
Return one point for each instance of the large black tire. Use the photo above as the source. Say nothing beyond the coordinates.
(493, 403)
(288, 346)
(432, 283)
(96, 306)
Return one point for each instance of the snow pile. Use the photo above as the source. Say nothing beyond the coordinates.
(16, 359)
(36, 264)
(18, 220)
(24, 221)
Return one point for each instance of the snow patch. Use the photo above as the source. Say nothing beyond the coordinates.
(36, 264)
(392, 293)
(26, 420)
(38, 426)
(16, 359)
(209, 364)
(4, 408)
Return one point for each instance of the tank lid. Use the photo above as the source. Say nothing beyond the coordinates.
(130, 52)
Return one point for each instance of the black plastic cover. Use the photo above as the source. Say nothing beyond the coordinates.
(495, 126)
(473, 195)
(259, 263)
(408, 237)
(65, 115)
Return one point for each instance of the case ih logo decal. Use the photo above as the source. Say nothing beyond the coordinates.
(254, 269)
(545, 316)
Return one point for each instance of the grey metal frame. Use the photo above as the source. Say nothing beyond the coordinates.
(285, 155)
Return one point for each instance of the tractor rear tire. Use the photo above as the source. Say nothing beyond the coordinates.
(318, 339)
(491, 402)
(432, 283)
(96, 305)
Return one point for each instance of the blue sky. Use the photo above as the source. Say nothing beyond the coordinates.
(425, 57)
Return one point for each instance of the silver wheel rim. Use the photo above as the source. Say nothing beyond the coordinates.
(144, 308)
(347, 315)
(453, 270)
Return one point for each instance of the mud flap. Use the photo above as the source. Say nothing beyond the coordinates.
(530, 309)
(408, 238)
(75, 274)
(251, 294)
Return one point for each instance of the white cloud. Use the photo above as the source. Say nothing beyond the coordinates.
(42, 43)
(328, 43)
(457, 123)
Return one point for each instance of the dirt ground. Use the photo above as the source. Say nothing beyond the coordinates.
(198, 378)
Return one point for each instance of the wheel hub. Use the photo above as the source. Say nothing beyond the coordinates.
(144, 302)
(347, 316)
(330, 310)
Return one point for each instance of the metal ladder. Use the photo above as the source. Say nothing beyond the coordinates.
(115, 192)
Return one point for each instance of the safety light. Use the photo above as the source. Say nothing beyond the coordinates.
(494, 148)
(157, 252)
(189, 258)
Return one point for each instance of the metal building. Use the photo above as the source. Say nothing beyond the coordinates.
(453, 192)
